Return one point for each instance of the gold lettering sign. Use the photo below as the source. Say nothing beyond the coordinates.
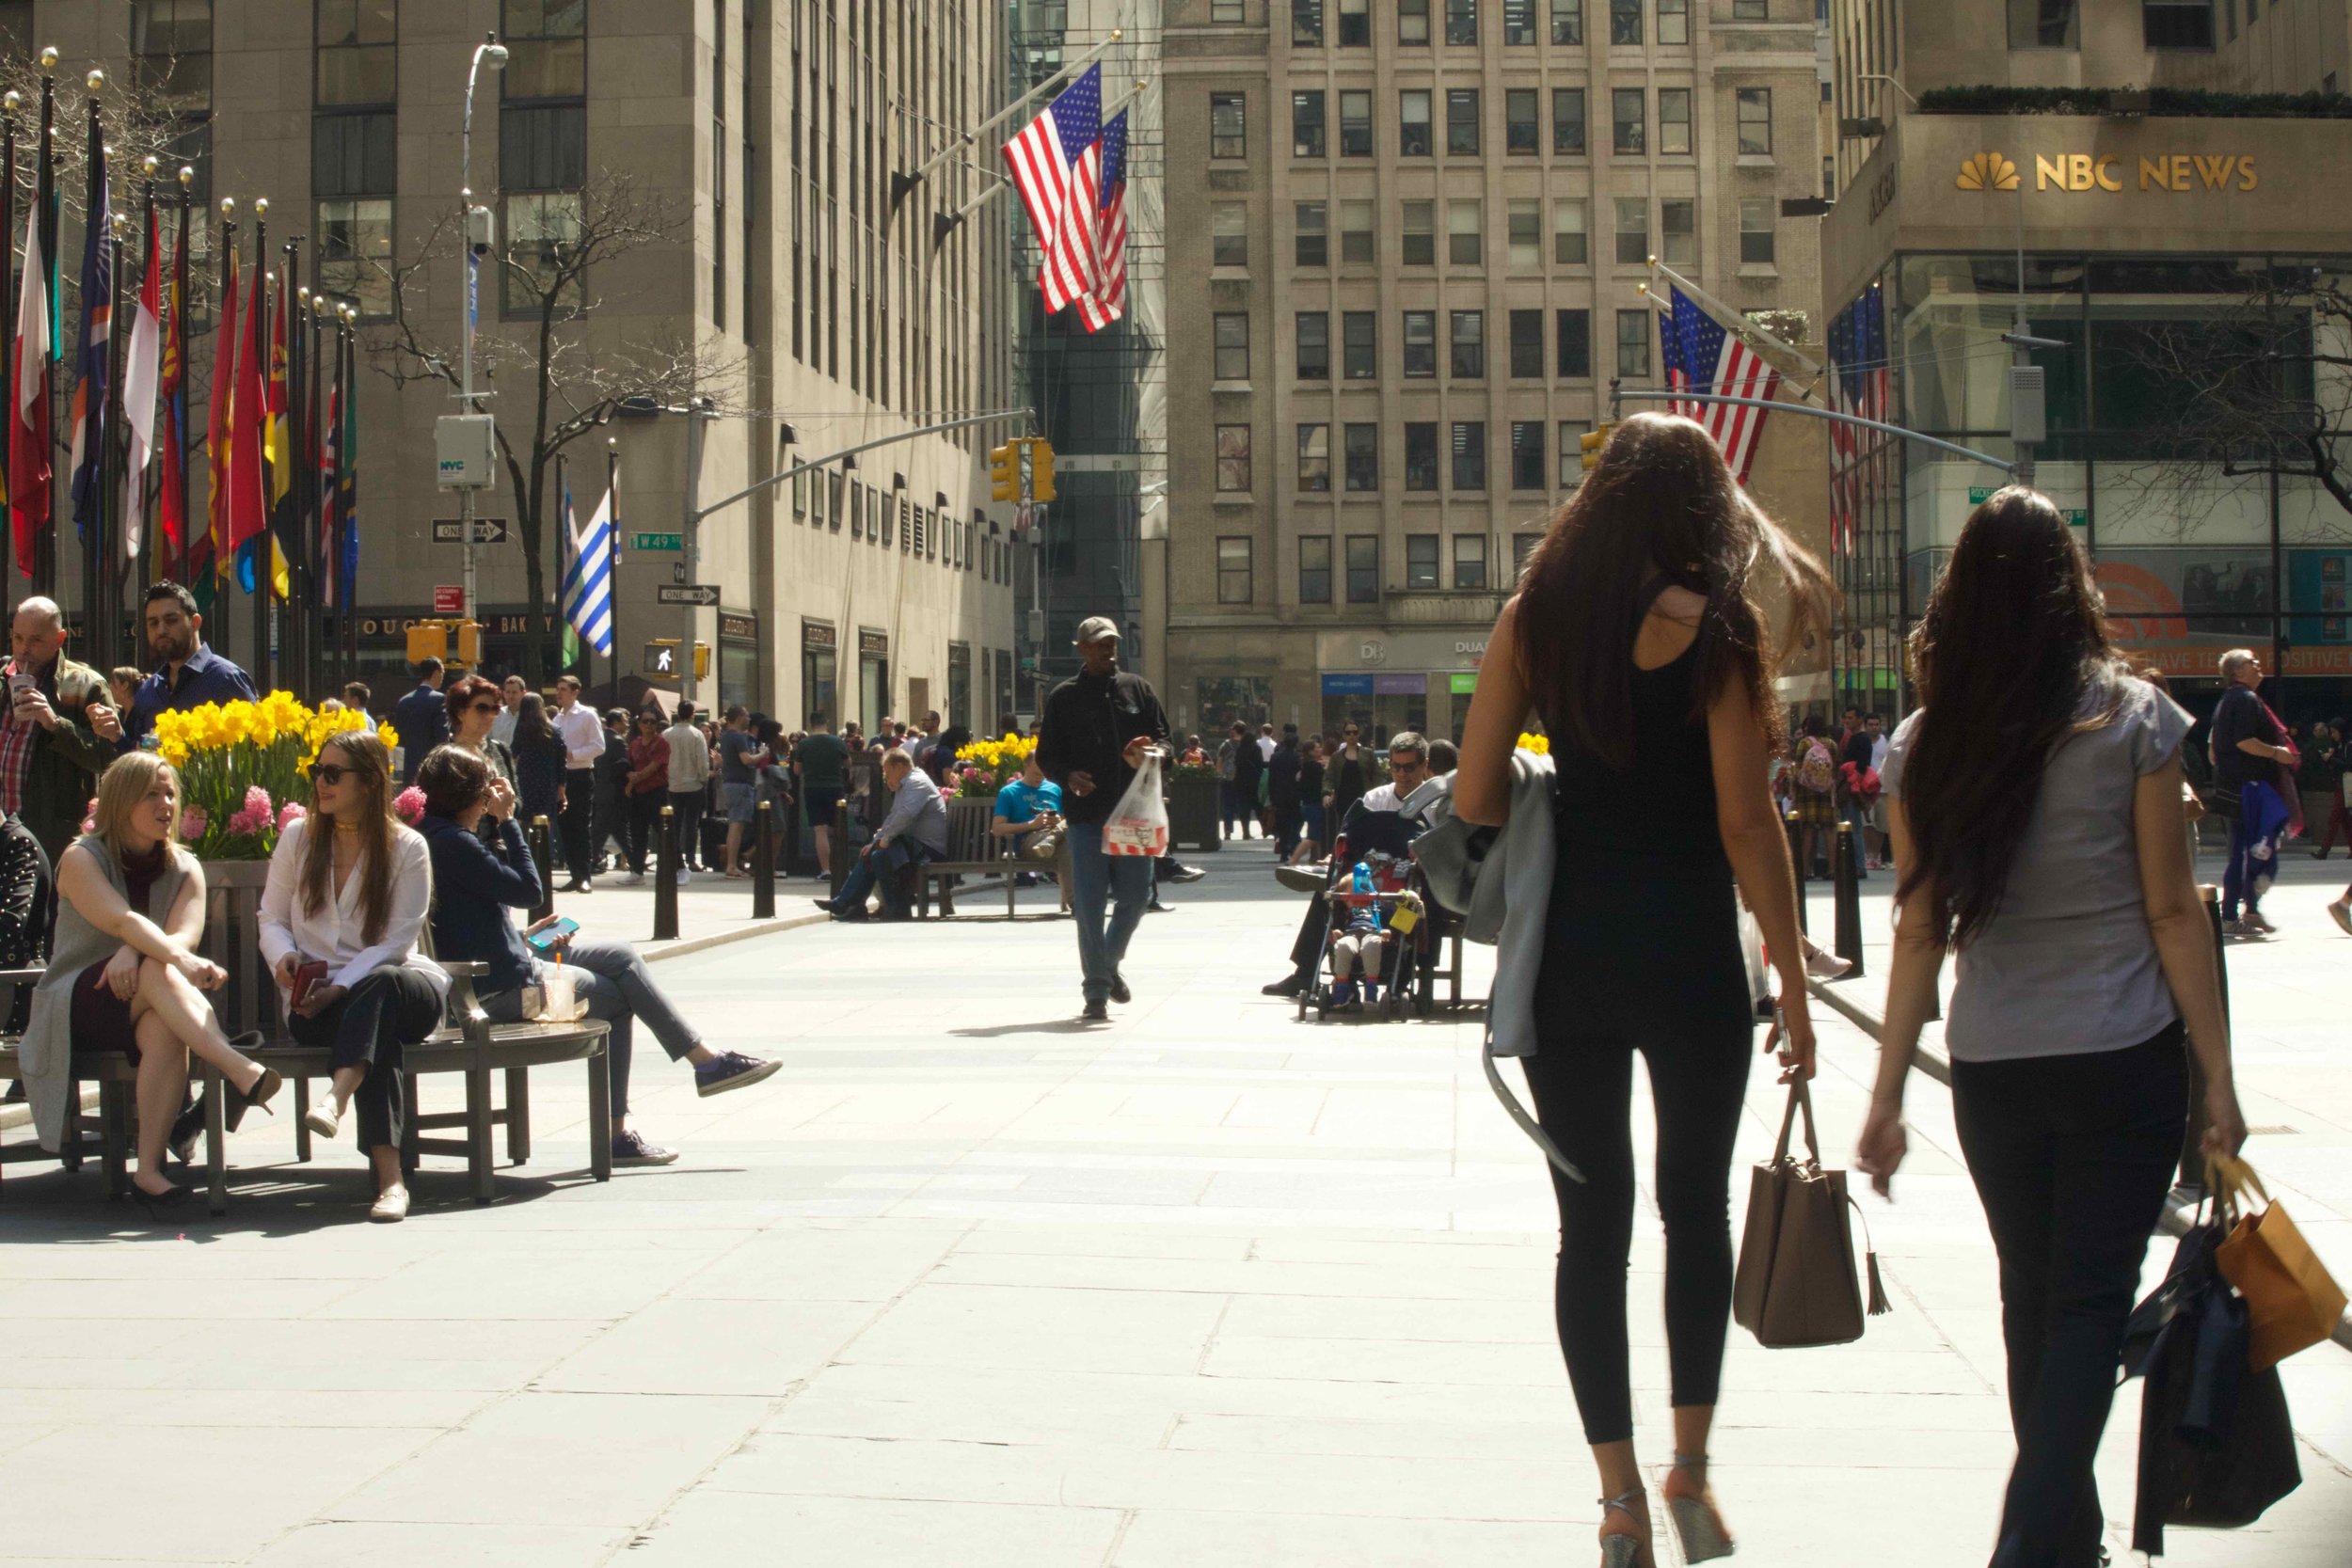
(2085, 171)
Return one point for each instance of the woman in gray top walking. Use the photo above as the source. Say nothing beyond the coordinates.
(2037, 826)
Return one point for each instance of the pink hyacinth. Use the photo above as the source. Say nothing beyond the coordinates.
(292, 811)
(193, 822)
(410, 805)
(89, 823)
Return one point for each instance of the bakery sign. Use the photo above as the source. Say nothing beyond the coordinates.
(2104, 171)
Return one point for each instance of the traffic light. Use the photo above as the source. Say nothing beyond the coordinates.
(1004, 473)
(661, 658)
(433, 639)
(702, 661)
(1592, 441)
(469, 642)
(427, 640)
(1040, 469)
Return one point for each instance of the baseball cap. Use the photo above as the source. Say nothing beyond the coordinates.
(1096, 628)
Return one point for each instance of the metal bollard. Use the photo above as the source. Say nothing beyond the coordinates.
(842, 851)
(1796, 863)
(665, 880)
(2193, 1137)
(764, 863)
(1846, 889)
(542, 857)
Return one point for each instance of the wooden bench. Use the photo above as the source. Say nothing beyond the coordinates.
(974, 851)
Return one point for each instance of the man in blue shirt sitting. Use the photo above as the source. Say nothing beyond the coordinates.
(913, 834)
(189, 674)
(1027, 805)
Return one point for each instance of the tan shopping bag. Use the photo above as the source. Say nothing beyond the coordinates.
(2291, 1302)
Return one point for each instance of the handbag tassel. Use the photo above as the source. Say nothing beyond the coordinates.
(1880, 1307)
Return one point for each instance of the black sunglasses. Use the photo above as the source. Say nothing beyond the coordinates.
(485, 707)
(330, 772)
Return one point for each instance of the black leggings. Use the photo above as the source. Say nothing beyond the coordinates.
(394, 1006)
(1583, 1092)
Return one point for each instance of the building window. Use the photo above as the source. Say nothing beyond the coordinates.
(1363, 456)
(1461, 21)
(546, 50)
(1229, 135)
(1632, 231)
(1470, 344)
(1355, 24)
(1570, 244)
(2058, 23)
(1420, 344)
(1412, 20)
(1224, 12)
(1461, 122)
(359, 50)
(1305, 22)
(1633, 341)
(1523, 232)
(1314, 459)
(1470, 562)
(1232, 345)
(1624, 120)
(1359, 346)
(1572, 433)
(1417, 238)
(1420, 456)
(1412, 123)
(1756, 222)
(2178, 23)
(1232, 458)
(1469, 454)
(1314, 345)
(1519, 21)
(1673, 121)
(1678, 232)
(1527, 345)
(1755, 123)
(1518, 121)
(1745, 10)
(1363, 568)
(1310, 243)
(1355, 228)
(1355, 124)
(1567, 21)
(1306, 125)
(1464, 226)
(1624, 20)
(540, 228)
(1522, 547)
(354, 253)
(1527, 454)
(1673, 21)
(1232, 569)
(1315, 568)
(1228, 235)
(1567, 121)
(1573, 331)
(1420, 560)
(171, 54)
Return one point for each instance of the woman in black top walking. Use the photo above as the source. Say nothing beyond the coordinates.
(539, 759)
(1637, 637)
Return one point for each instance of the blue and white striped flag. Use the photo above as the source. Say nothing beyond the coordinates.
(588, 575)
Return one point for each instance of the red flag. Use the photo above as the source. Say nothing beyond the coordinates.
(218, 434)
(28, 422)
(249, 415)
(173, 510)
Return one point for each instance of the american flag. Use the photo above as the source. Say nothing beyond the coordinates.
(1845, 398)
(1108, 301)
(1057, 166)
(1702, 356)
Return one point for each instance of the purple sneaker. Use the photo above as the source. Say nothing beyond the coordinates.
(731, 1069)
(630, 1148)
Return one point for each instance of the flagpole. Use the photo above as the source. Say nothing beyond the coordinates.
(8, 276)
(112, 455)
(347, 486)
(216, 440)
(144, 567)
(612, 555)
(902, 183)
(1734, 320)
(944, 224)
(563, 559)
(94, 534)
(258, 335)
(179, 416)
(44, 196)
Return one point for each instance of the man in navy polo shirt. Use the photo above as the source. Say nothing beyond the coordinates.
(189, 674)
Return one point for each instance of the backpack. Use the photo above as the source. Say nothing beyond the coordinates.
(1814, 772)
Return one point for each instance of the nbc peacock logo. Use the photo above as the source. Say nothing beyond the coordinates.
(1987, 171)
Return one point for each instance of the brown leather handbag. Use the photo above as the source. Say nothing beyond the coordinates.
(1796, 1284)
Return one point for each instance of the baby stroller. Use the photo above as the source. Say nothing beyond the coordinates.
(1372, 948)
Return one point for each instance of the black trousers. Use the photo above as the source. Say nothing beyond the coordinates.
(687, 811)
(2071, 1157)
(571, 827)
(393, 1007)
(1583, 1092)
(644, 828)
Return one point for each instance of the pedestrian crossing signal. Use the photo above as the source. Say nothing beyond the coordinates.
(1592, 441)
(1004, 473)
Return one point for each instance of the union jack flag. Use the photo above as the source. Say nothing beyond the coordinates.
(1702, 355)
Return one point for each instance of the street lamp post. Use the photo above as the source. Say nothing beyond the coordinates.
(475, 224)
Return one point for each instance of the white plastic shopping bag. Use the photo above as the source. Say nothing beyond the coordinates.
(1138, 823)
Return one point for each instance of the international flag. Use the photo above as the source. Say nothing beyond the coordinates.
(1107, 303)
(141, 368)
(588, 574)
(218, 438)
(88, 458)
(1702, 355)
(249, 416)
(347, 497)
(172, 512)
(274, 445)
(28, 420)
(329, 555)
(1056, 160)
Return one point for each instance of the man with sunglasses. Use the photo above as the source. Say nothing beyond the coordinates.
(420, 718)
(1402, 797)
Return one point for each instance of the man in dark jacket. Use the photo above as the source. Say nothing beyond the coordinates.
(52, 722)
(612, 789)
(188, 674)
(420, 718)
(1281, 772)
(1092, 739)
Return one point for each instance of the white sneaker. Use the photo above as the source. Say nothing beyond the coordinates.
(635, 878)
(323, 1118)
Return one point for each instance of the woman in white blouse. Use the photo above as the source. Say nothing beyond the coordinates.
(349, 888)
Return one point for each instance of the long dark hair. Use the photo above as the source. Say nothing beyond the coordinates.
(2013, 638)
(1662, 503)
(371, 767)
(531, 722)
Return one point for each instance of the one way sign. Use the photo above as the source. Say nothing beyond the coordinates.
(705, 594)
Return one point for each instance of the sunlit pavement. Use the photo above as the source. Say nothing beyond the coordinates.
(973, 1283)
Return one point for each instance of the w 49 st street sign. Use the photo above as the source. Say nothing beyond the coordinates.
(487, 530)
(705, 593)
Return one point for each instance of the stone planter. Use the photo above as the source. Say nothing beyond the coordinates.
(1192, 819)
(233, 932)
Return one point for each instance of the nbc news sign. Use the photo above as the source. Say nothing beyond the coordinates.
(2085, 171)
